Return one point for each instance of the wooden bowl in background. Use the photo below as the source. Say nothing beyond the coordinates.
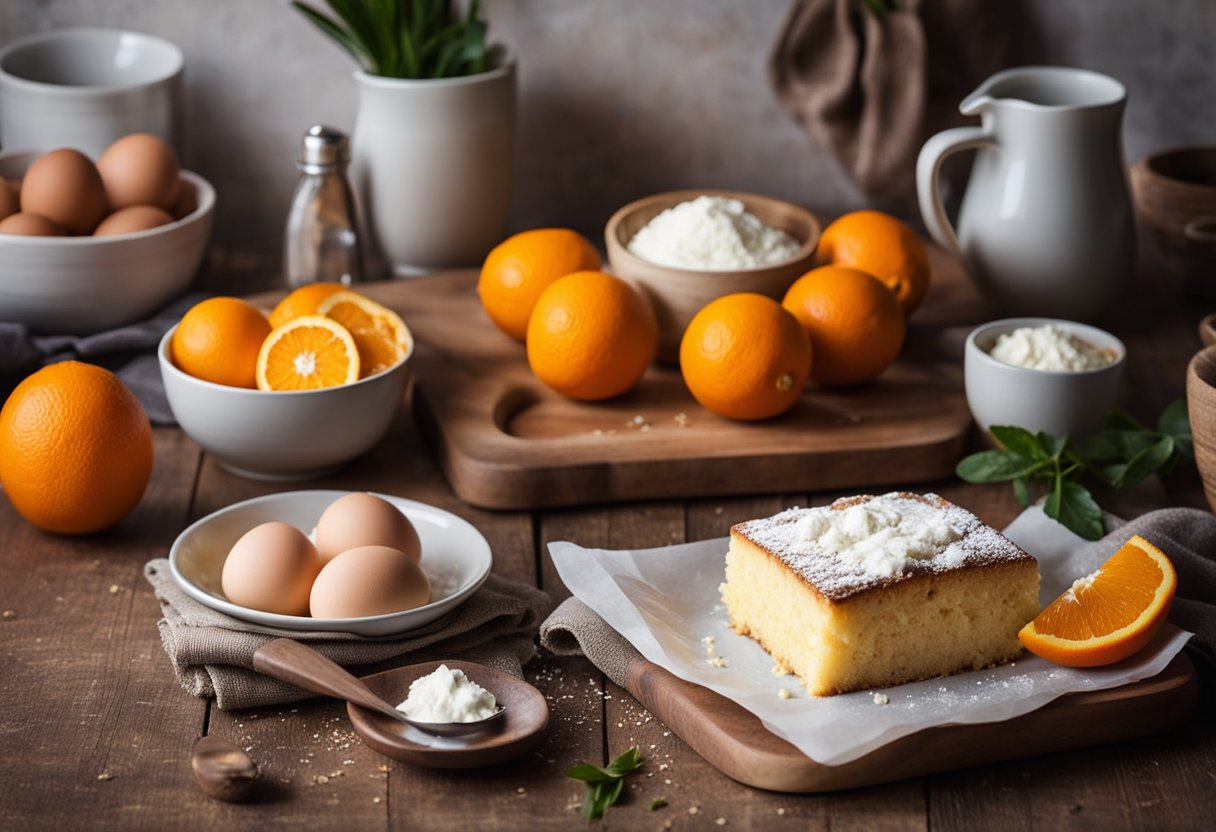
(1201, 405)
(678, 294)
(1175, 195)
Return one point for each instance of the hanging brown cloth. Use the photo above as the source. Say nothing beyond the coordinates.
(870, 86)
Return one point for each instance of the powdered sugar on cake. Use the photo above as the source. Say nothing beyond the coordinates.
(861, 542)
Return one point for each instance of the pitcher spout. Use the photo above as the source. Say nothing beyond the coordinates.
(1044, 88)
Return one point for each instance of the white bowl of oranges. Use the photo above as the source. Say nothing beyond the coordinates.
(289, 395)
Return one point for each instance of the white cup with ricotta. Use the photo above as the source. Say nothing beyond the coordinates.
(1042, 384)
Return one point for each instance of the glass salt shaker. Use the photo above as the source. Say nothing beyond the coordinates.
(321, 242)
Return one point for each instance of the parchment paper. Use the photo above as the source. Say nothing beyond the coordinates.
(665, 602)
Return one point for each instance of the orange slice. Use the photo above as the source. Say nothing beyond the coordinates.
(381, 336)
(307, 353)
(1107, 615)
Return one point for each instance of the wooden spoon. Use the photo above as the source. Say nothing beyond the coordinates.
(300, 665)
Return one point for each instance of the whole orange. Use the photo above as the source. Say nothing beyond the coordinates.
(218, 341)
(881, 245)
(302, 301)
(75, 448)
(591, 336)
(855, 323)
(744, 357)
(522, 266)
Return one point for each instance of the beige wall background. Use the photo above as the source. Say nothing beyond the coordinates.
(618, 98)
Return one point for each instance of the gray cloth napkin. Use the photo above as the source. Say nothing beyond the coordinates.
(212, 653)
(128, 351)
(1187, 535)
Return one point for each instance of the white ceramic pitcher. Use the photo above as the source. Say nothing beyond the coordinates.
(1045, 225)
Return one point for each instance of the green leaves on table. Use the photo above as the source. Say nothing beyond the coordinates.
(605, 784)
(1123, 454)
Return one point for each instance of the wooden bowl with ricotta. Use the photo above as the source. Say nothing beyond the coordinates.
(718, 260)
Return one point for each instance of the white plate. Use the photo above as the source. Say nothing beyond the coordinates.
(455, 557)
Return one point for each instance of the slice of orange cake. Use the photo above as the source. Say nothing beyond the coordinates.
(877, 591)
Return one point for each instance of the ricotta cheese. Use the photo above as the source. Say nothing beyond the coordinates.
(1049, 347)
(711, 233)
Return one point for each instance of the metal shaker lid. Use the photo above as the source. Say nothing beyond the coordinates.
(324, 149)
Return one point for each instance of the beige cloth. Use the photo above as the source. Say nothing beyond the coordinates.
(1188, 536)
(212, 653)
(871, 87)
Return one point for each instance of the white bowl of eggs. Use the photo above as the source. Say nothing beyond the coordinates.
(332, 561)
(86, 247)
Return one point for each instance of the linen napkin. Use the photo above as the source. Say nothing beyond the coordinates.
(129, 351)
(212, 653)
(1188, 536)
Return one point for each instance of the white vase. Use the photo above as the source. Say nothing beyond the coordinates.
(431, 165)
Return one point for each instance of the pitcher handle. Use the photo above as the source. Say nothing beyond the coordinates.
(928, 172)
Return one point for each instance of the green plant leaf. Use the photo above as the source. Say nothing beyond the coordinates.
(995, 466)
(1111, 474)
(1116, 419)
(1175, 421)
(624, 764)
(657, 803)
(363, 27)
(1096, 450)
(602, 796)
(406, 38)
(1146, 462)
(604, 784)
(1019, 440)
(1129, 443)
(589, 773)
(341, 36)
(1072, 505)
(1053, 446)
(1021, 490)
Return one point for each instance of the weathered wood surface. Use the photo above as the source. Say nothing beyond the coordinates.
(97, 734)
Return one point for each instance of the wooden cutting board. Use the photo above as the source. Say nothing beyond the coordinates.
(505, 441)
(737, 743)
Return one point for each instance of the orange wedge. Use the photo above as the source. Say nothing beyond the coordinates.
(381, 336)
(307, 353)
(1107, 615)
(302, 301)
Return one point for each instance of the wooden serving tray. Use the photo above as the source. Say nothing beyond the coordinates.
(736, 742)
(505, 441)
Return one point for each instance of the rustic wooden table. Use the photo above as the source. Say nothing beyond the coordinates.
(97, 733)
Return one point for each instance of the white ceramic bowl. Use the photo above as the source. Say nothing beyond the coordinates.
(455, 557)
(81, 285)
(283, 435)
(84, 88)
(1061, 403)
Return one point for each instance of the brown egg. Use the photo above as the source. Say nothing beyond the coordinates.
(187, 201)
(133, 219)
(140, 169)
(271, 568)
(369, 580)
(65, 187)
(10, 202)
(29, 225)
(362, 519)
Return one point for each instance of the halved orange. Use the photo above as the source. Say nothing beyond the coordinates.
(380, 335)
(302, 301)
(1109, 614)
(307, 353)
